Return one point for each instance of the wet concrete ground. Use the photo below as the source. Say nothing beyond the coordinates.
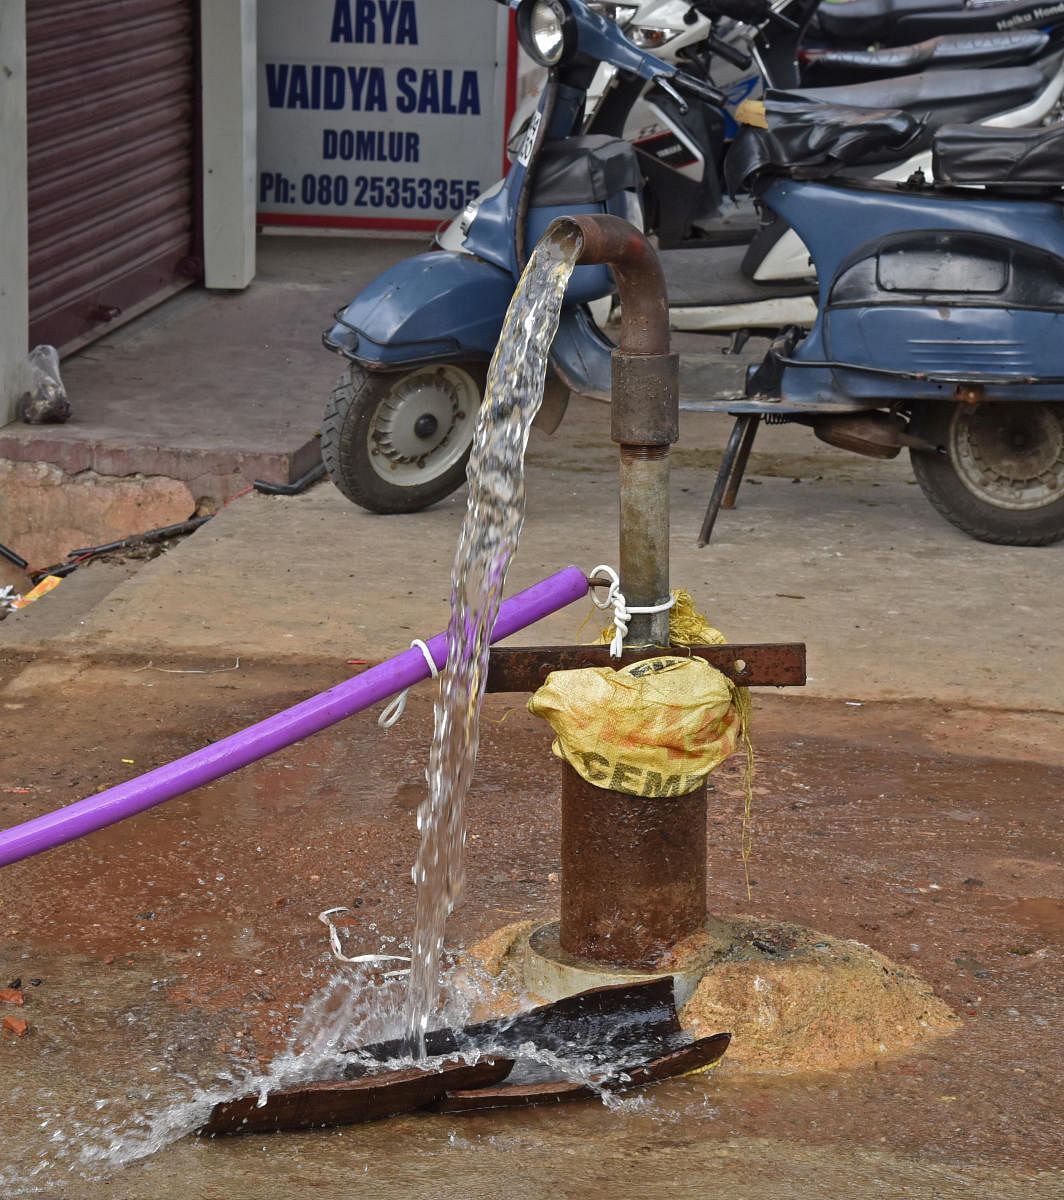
(908, 797)
(158, 954)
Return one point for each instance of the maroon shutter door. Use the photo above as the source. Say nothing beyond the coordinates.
(113, 162)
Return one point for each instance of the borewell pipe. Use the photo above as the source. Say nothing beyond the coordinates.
(257, 741)
(634, 869)
(645, 412)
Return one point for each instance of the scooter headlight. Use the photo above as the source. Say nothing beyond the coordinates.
(547, 31)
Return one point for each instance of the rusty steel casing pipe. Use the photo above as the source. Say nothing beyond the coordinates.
(633, 871)
(633, 877)
(645, 412)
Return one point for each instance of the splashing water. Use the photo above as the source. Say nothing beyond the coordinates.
(487, 543)
(130, 1122)
(353, 1008)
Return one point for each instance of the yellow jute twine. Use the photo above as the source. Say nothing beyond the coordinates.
(688, 627)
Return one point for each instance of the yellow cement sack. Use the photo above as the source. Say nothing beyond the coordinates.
(654, 728)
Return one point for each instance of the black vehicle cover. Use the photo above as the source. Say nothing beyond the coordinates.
(583, 170)
(965, 50)
(983, 154)
(815, 141)
(898, 22)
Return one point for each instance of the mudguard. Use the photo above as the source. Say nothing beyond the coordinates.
(437, 306)
(582, 357)
(948, 303)
(922, 293)
(445, 306)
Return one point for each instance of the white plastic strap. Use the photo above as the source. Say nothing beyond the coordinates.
(395, 710)
(326, 918)
(621, 611)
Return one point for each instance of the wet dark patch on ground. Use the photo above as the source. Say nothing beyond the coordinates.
(187, 938)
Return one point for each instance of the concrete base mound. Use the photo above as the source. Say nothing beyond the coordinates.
(792, 998)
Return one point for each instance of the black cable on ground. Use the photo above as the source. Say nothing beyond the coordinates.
(153, 535)
(12, 557)
(140, 539)
(290, 489)
(77, 557)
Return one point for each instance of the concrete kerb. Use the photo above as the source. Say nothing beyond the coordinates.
(892, 602)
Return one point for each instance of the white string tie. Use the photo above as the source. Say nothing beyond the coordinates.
(395, 710)
(376, 960)
(622, 613)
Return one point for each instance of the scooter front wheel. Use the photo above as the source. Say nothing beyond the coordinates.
(397, 442)
(998, 470)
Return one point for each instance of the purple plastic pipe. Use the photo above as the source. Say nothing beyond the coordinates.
(318, 712)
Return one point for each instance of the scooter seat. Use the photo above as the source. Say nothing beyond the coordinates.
(976, 50)
(938, 97)
(901, 22)
(814, 141)
(1017, 159)
(868, 21)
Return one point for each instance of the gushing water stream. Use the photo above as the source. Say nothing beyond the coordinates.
(351, 1009)
(486, 544)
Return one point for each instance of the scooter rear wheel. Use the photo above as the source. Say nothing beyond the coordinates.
(397, 442)
(998, 471)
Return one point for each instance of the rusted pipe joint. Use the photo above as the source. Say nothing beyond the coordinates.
(645, 403)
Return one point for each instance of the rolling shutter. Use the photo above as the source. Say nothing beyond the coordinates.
(113, 176)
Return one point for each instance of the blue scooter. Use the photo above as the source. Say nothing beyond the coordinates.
(940, 322)
(398, 427)
(939, 309)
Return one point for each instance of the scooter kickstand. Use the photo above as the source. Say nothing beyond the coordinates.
(732, 466)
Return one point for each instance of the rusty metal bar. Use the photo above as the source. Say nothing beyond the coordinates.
(524, 669)
(633, 877)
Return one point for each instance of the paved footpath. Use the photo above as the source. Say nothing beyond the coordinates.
(825, 547)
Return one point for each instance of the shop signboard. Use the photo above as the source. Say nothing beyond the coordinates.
(380, 114)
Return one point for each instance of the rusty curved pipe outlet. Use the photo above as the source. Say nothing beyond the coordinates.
(640, 280)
